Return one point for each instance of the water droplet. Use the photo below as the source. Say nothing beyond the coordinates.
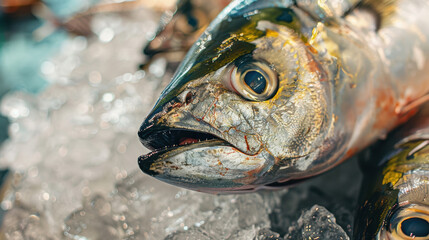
(106, 35)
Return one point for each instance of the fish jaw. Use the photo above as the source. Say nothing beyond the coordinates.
(191, 152)
(210, 166)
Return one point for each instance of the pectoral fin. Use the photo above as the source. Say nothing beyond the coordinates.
(411, 106)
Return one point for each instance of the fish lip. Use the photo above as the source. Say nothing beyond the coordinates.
(145, 161)
(157, 136)
(214, 171)
(154, 136)
(216, 174)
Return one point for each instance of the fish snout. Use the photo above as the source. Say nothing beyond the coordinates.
(156, 122)
(189, 152)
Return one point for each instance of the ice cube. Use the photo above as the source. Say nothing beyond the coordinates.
(316, 223)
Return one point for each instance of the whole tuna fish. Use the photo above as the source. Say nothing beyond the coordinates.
(277, 91)
(395, 191)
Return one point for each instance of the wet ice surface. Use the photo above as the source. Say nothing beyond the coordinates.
(74, 149)
(316, 223)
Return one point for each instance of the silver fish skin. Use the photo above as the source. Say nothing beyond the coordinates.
(395, 192)
(278, 91)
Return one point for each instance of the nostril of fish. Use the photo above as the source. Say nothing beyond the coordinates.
(188, 97)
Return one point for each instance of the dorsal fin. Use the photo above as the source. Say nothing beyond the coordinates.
(385, 9)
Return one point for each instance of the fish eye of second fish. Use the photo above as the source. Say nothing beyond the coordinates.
(394, 200)
(410, 222)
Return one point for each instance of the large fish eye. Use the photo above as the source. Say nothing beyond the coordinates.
(410, 223)
(254, 80)
(415, 227)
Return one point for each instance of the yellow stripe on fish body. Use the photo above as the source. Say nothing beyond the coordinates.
(404, 162)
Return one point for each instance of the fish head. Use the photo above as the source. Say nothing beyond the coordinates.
(248, 107)
(394, 196)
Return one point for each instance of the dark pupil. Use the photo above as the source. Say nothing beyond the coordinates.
(415, 227)
(255, 81)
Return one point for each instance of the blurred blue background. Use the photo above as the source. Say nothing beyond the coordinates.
(31, 31)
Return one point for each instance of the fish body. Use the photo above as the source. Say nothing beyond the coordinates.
(278, 91)
(395, 192)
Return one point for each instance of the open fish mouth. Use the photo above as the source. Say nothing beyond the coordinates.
(199, 161)
(162, 138)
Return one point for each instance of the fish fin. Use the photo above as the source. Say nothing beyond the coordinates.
(413, 105)
(406, 111)
(385, 9)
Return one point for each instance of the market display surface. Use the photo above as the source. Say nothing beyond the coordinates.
(73, 147)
